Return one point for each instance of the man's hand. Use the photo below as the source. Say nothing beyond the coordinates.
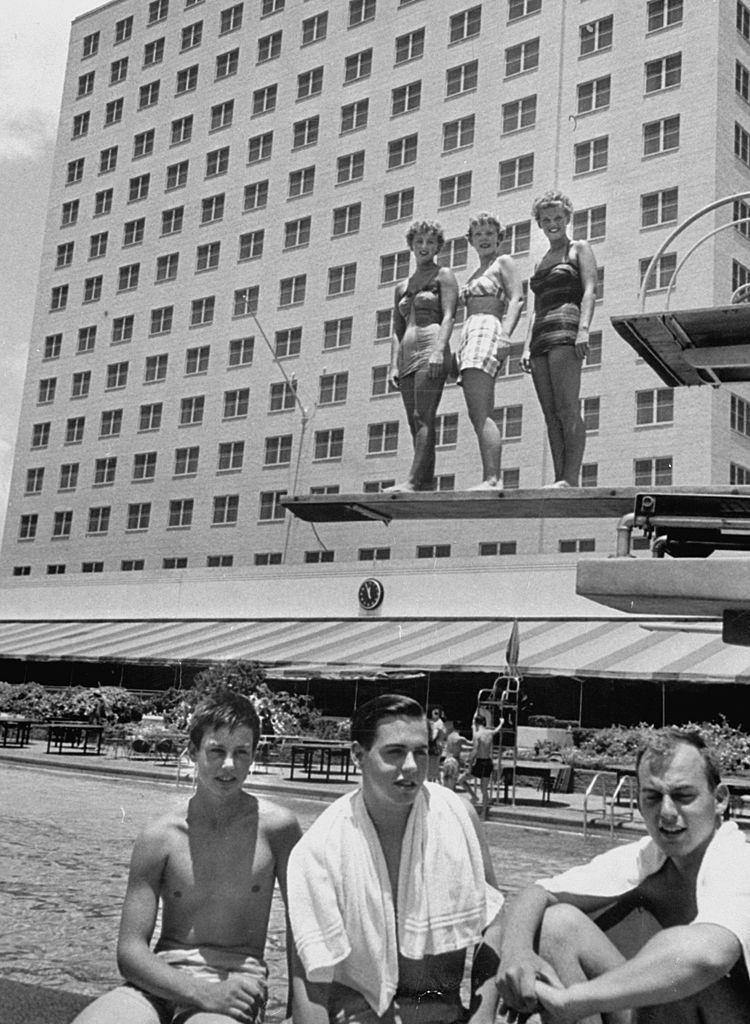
(517, 983)
(237, 997)
(553, 1000)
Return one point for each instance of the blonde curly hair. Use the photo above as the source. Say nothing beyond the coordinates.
(484, 218)
(552, 197)
(425, 227)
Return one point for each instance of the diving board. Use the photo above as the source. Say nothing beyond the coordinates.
(532, 503)
(693, 346)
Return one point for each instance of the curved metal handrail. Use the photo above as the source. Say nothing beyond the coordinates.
(691, 250)
(597, 781)
(678, 231)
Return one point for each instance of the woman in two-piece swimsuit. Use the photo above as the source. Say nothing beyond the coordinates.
(493, 298)
(425, 308)
(564, 287)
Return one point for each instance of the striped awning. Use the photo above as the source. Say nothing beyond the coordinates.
(648, 649)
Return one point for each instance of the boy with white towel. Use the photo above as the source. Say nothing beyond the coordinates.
(683, 892)
(390, 887)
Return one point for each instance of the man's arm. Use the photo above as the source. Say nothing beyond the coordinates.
(676, 963)
(235, 997)
(309, 999)
(285, 837)
(484, 994)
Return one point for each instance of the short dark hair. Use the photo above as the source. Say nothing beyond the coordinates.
(661, 743)
(367, 717)
(228, 710)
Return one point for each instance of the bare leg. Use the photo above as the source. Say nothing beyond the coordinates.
(565, 372)
(578, 950)
(479, 392)
(421, 395)
(540, 375)
(123, 1005)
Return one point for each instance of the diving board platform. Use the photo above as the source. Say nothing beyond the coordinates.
(692, 346)
(532, 503)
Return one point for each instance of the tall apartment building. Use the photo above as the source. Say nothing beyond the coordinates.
(232, 185)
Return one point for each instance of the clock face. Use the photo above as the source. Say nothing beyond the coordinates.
(370, 594)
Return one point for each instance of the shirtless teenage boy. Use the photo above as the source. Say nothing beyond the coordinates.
(482, 764)
(213, 869)
(688, 883)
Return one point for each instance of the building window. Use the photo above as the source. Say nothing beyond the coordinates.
(656, 472)
(406, 98)
(166, 268)
(268, 7)
(357, 66)
(22, 570)
(62, 523)
(113, 112)
(148, 95)
(174, 563)
(743, 20)
(662, 273)
(34, 480)
(139, 515)
(664, 73)
(402, 152)
(245, 301)
(394, 266)
(202, 311)
(288, 342)
(117, 376)
(104, 471)
(227, 64)
(337, 333)
(138, 188)
(177, 175)
(186, 461)
(149, 417)
(108, 160)
(659, 207)
(236, 403)
(197, 359)
(590, 224)
(739, 475)
(180, 513)
(517, 172)
(56, 569)
(191, 410)
(187, 81)
(143, 143)
(360, 11)
(594, 353)
(99, 519)
(27, 526)
(259, 147)
(64, 255)
(466, 24)
(373, 554)
(592, 155)
(301, 182)
(74, 428)
(433, 550)
(664, 14)
(741, 216)
(329, 444)
(577, 546)
(455, 189)
(231, 456)
(212, 208)
(382, 438)
(654, 406)
(319, 557)
(90, 45)
(516, 239)
(350, 167)
(509, 420)
(502, 547)
(241, 351)
(264, 100)
(161, 320)
(455, 253)
(446, 430)
(278, 450)
(595, 36)
(74, 172)
(354, 116)
(226, 509)
(522, 57)
(269, 47)
(593, 95)
(47, 388)
(458, 134)
(740, 275)
(52, 346)
(662, 136)
(222, 115)
(69, 213)
(461, 79)
(157, 11)
(132, 232)
(144, 466)
(381, 383)
(86, 339)
(251, 245)
(305, 133)
(85, 85)
(342, 279)
(81, 125)
(207, 256)
(191, 36)
(255, 196)
(297, 232)
(153, 52)
(281, 397)
(397, 206)
(292, 290)
(314, 29)
(267, 558)
(230, 19)
(332, 388)
(741, 144)
(127, 277)
(123, 29)
(110, 424)
(271, 508)
(590, 409)
(739, 415)
(309, 83)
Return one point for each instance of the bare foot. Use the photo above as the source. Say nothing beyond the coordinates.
(485, 486)
(395, 488)
(556, 485)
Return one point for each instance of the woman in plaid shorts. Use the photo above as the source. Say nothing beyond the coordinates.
(493, 298)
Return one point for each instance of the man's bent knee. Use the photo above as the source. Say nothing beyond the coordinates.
(560, 926)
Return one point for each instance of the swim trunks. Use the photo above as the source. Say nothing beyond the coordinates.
(481, 346)
(482, 768)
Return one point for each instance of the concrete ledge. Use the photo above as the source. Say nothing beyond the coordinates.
(34, 1004)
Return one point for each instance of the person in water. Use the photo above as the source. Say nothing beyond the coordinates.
(564, 287)
(493, 298)
(425, 308)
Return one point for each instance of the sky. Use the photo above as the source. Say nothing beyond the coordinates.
(33, 49)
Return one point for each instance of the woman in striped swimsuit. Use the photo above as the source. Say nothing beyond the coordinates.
(493, 298)
(564, 287)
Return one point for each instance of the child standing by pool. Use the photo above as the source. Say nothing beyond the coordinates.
(213, 869)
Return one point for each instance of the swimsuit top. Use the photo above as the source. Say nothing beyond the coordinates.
(479, 287)
(425, 298)
(557, 285)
